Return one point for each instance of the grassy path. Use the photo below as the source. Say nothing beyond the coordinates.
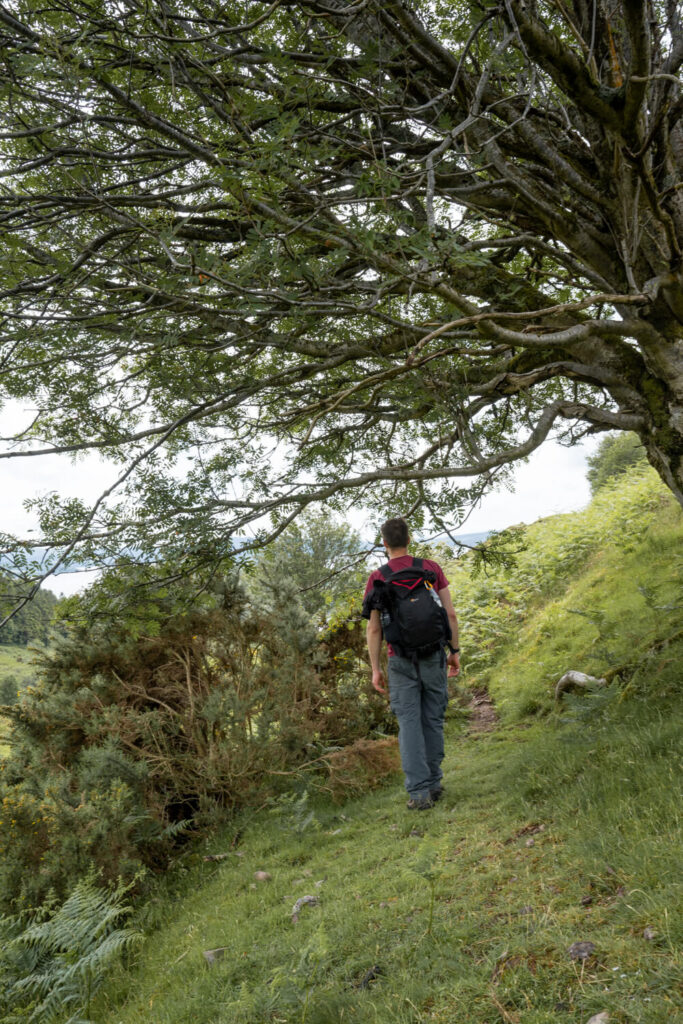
(462, 914)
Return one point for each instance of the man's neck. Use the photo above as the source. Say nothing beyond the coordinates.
(396, 552)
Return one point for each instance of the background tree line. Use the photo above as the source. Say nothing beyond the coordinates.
(33, 623)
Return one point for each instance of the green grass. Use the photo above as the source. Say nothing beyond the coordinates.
(560, 826)
(505, 912)
(15, 661)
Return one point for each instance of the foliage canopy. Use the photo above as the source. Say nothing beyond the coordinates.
(263, 256)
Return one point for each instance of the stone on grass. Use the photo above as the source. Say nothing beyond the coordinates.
(649, 933)
(572, 682)
(581, 950)
(599, 1018)
(372, 974)
(311, 901)
(212, 955)
(261, 876)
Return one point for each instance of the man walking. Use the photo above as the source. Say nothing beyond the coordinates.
(395, 603)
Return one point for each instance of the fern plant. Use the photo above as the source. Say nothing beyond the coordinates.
(55, 963)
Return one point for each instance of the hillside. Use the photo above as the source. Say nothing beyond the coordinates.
(559, 825)
(16, 671)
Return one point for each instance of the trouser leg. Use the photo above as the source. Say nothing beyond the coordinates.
(405, 693)
(433, 671)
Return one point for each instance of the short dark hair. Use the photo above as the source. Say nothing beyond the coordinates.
(395, 533)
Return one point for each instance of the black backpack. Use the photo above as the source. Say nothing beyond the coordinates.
(414, 621)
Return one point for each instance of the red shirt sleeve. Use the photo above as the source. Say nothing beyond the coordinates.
(441, 581)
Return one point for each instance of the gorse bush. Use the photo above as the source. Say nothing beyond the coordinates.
(126, 742)
(53, 962)
(361, 767)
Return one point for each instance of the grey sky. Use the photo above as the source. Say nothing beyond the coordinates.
(553, 480)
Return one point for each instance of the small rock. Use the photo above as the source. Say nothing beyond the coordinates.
(370, 975)
(581, 950)
(212, 955)
(599, 1018)
(311, 901)
(572, 681)
(261, 876)
(319, 883)
(530, 842)
(383, 904)
(649, 933)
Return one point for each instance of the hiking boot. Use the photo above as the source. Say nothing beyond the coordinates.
(420, 805)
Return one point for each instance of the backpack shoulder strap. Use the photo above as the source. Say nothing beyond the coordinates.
(418, 563)
(386, 571)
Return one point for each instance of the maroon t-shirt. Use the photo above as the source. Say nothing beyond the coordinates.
(406, 562)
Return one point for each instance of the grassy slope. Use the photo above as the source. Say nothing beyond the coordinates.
(600, 777)
(14, 661)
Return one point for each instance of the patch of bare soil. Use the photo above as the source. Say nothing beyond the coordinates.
(483, 717)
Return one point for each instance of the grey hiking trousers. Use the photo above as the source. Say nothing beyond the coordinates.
(419, 702)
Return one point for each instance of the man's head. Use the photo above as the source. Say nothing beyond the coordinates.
(395, 534)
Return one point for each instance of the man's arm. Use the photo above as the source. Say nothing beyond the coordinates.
(374, 638)
(453, 659)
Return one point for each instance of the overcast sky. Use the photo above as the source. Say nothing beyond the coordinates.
(552, 481)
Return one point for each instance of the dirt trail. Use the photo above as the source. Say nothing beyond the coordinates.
(483, 714)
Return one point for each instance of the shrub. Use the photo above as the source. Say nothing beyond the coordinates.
(361, 767)
(125, 742)
(9, 687)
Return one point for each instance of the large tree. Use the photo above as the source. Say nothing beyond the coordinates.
(268, 255)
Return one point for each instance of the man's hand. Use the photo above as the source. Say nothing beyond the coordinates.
(453, 662)
(378, 681)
